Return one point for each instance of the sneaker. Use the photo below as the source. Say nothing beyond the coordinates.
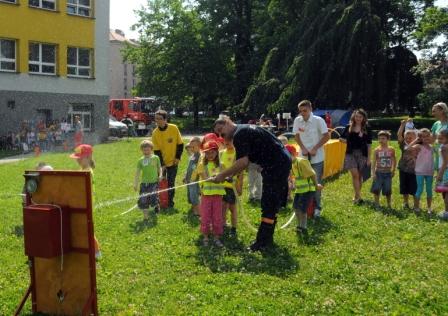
(98, 255)
(316, 213)
(233, 233)
(205, 242)
(429, 211)
(444, 215)
(157, 209)
(218, 243)
(406, 206)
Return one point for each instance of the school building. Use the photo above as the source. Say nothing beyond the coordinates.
(123, 77)
(54, 63)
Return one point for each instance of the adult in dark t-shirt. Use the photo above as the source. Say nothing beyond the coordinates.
(358, 138)
(256, 144)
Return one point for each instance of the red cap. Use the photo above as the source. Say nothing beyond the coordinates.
(82, 151)
(292, 150)
(210, 146)
(211, 137)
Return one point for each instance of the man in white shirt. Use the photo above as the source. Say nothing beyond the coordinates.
(311, 133)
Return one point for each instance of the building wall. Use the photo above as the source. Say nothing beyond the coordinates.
(122, 75)
(28, 104)
(33, 91)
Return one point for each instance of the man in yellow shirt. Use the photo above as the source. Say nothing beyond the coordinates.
(168, 145)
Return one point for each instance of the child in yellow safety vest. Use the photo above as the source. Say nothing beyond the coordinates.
(305, 187)
(212, 193)
(227, 158)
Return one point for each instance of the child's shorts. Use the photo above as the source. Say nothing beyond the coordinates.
(302, 201)
(408, 183)
(144, 202)
(229, 197)
(382, 183)
(193, 194)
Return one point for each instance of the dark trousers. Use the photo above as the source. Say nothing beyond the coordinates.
(171, 173)
(275, 190)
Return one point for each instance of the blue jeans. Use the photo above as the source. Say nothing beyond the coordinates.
(421, 181)
(319, 169)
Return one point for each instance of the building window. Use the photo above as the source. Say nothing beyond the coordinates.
(43, 4)
(7, 55)
(79, 62)
(79, 7)
(10, 1)
(85, 113)
(42, 59)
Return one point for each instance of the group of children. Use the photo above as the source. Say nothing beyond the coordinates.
(211, 155)
(210, 201)
(45, 135)
(421, 157)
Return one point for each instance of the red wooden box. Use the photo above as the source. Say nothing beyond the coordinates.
(42, 231)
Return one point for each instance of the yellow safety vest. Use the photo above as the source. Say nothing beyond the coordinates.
(208, 187)
(303, 185)
(227, 159)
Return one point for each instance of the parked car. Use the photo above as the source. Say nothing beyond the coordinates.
(117, 128)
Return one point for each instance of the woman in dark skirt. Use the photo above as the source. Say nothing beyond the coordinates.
(357, 156)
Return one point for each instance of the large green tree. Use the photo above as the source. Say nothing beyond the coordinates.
(432, 38)
(177, 56)
(336, 53)
(269, 54)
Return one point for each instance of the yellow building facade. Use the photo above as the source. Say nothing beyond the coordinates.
(26, 24)
(54, 63)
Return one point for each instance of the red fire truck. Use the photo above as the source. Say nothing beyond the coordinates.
(139, 110)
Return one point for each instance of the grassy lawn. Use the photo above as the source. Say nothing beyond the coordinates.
(356, 260)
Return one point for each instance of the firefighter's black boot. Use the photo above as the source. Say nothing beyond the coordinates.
(264, 237)
(270, 236)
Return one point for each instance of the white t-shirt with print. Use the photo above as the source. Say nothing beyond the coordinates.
(311, 132)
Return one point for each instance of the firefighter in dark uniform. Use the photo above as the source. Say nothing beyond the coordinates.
(258, 145)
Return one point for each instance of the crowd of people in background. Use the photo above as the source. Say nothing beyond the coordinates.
(46, 135)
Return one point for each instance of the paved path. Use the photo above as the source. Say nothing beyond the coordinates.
(18, 158)
(14, 158)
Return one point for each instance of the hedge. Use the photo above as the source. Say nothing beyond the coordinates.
(393, 123)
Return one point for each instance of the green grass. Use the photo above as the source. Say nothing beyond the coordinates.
(356, 260)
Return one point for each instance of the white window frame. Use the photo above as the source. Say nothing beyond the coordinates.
(40, 63)
(9, 60)
(78, 6)
(77, 66)
(82, 114)
(40, 6)
(7, 1)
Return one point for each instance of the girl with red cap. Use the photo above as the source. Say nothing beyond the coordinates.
(212, 193)
(83, 155)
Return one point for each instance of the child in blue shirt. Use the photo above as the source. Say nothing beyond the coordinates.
(193, 191)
